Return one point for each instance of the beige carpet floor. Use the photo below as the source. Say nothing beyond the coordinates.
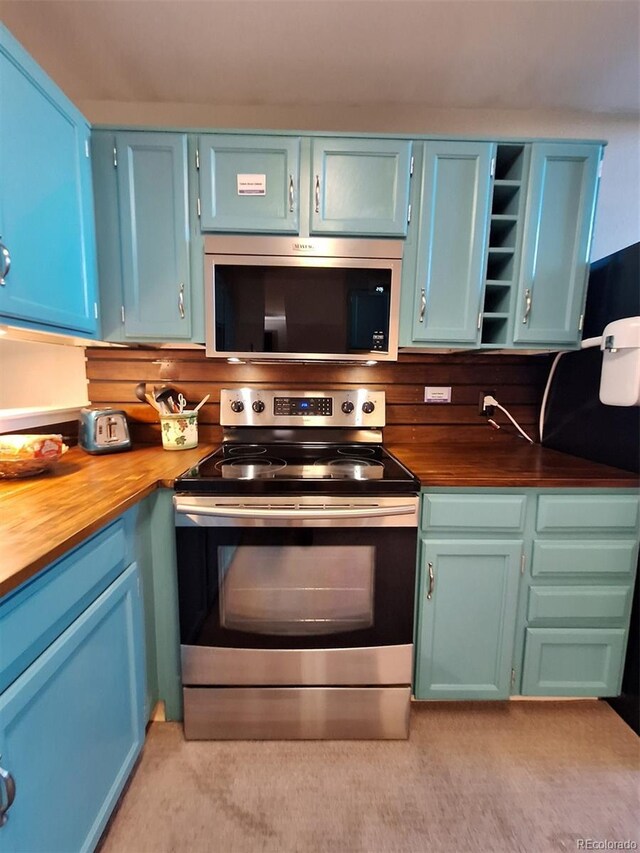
(513, 776)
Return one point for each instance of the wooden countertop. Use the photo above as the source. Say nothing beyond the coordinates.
(500, 461)
(43, 517)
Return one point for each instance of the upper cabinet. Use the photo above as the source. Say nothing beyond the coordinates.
(558, 223)
(500, 254)
(47, 268)
(249, 183)
(289, 185)
(360, 186)
(497, 235)
(142, 214)
(443, 272)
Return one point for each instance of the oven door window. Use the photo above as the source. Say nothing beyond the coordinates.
(296, 588)
(286, 590)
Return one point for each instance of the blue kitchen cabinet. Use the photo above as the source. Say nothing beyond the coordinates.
(46, 202)
(531, 591)
(573, 661)
(71, 726)
(249, 183)
(142, 214)
(467, 596)
(558, 224)
(443, 276)
(73, 697)
(360, 187)
(576, 599)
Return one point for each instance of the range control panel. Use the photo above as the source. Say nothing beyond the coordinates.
(256, 407)
(303, 406)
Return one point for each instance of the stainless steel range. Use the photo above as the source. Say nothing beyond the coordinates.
(296, 545)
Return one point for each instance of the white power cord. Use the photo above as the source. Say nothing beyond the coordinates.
(491, 401)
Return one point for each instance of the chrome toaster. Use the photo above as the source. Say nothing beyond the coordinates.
(103, 430)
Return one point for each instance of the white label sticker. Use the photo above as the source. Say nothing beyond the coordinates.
(252, 184)
(437, 394)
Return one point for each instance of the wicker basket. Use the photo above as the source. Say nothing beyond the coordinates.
(21, 464)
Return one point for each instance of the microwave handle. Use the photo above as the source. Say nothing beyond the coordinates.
(317, 193)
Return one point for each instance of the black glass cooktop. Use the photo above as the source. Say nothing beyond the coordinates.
(301, 468)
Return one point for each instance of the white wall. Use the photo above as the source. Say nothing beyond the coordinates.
(618, 218)
(41, 375)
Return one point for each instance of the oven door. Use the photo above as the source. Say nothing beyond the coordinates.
(296, 590)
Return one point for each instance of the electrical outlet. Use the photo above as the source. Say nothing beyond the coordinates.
(486, 411)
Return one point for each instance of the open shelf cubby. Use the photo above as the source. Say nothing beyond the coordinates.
(497, 297)
(509, 162)
(505, 227)
(500, 264)
(494, 329)
(502, 232)
(506, 198)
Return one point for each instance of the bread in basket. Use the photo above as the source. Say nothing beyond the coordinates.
(26, 455)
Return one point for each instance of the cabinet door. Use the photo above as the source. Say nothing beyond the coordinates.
(573, 661)
(46, 216)
(249, 183)
(72, 726)
(557, 241)
(154, 234)
(360, 186)
(454, 217)
(466, 629)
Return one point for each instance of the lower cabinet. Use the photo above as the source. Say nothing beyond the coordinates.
(467, 614)
(72, 723)
(573, 661)
(524, 592)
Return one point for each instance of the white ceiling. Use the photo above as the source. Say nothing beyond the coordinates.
(492, 54)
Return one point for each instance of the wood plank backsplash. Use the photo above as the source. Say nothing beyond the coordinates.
(517, 380)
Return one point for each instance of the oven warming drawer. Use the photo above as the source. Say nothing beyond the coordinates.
(290, 713)
(203, 665)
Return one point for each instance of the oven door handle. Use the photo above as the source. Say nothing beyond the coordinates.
(272, 512)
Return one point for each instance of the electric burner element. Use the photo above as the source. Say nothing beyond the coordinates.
(347, 461)
(247, 450)
(250, 467)
(354, 450)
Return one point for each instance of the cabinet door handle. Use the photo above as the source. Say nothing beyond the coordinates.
(423, 305)
(10, 789)
(290, 193)
(432, 581)
(181, 301)
(527, 305)
(317, 193)
(6, 264)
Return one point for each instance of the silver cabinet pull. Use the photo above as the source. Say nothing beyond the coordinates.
(181, 301)
(527, 305)
(290, 193)
(423, 305)
(317, 193)
(6, 264)
(431, 582)
(10, 791)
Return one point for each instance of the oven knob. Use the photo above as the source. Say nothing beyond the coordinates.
(347, 407)
(258, 406)
(368, 407)
(237, 406)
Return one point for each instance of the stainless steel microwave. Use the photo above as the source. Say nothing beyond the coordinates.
(302, 298)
